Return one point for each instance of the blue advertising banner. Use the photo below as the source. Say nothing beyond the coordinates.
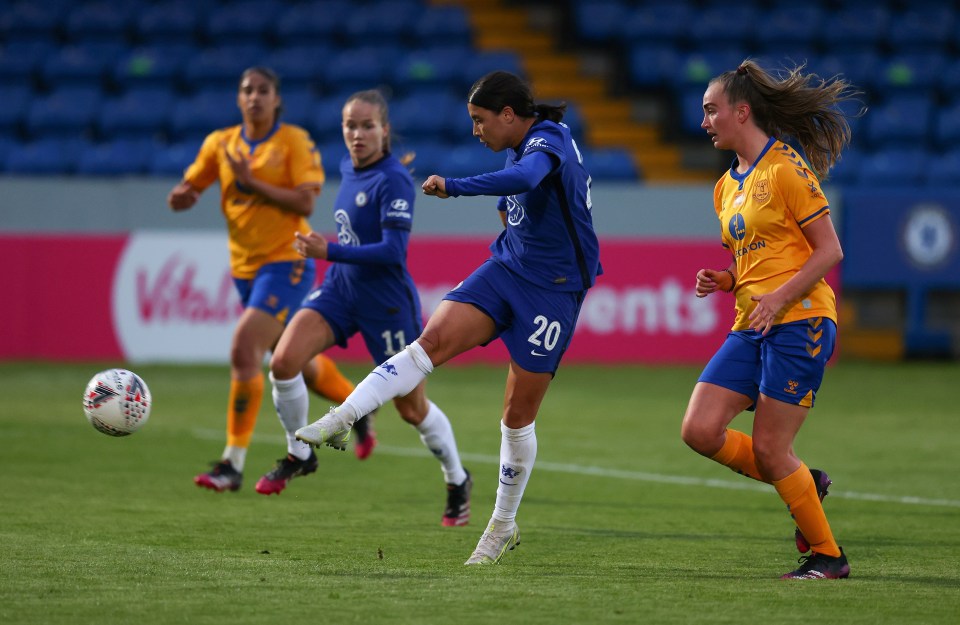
(901, 238)
(906, 239)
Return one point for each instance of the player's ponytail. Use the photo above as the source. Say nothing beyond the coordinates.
(796, 104)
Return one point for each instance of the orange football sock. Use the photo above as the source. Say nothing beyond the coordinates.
(242, 411)
(329, 382)
(737, 453)
(799, 492)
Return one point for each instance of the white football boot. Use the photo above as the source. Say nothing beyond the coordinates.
(333, 429)
(495, 542)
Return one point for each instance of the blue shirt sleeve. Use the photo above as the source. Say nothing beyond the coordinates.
(524, 176)
(391, 250)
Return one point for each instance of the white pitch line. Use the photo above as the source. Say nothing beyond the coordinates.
(639, 476)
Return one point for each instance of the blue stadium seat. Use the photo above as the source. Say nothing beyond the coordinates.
(158, 65)
(610, 164)
(431, 155)
(857, 26)
(65, 111)
(652, 66)
(913, 72)
(923, 28)
(305, 24)
(297, 104)
(221, 66)
(724, 25)
(120, 157)
(426, 114)
(331, 153)
(99, 21)
(366, 67)
(16, 100)
(196, 116)
(7, 145)
(326, 118)
(50, 156)
(600, 22)
(171, 160)
(245, 22)
(859, 66)
(470, 158)
(27, 21)
(699, 66)
(791, 24)
(950, 80)
(847, 169)
(894, 167)
(382, 21)
(663, 22)
(431, 67)
(142, 112)
(299, 66)
(947, 125)
(442, 26)
(944, 169)
(900, 121)
(483, 63)
(168, 23)
(21, 60)
(75, 65)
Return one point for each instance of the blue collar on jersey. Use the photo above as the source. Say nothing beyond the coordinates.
(253, 144)
(742, 177)
(371, 165)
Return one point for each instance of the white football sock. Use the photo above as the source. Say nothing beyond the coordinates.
(518, 452)
(399, 375)
(236, 455)
(437, 434)
(291, 400)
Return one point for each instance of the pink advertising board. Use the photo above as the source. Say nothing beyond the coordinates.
(166, 296)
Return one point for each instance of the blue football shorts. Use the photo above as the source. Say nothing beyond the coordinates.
(383, 337)
(787, 364)
(535, 324)
(278, 288)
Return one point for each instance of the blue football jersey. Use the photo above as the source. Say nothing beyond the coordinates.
(371, 199)
(549, 238)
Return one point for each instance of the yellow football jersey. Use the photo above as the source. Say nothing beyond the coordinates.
(762, 213)
(260, 232)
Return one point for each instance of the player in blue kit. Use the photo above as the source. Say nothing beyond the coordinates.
(366, 289)
(528, 293)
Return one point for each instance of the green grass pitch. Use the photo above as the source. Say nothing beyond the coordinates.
(621, 523)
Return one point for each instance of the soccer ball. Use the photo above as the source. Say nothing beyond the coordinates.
(117, 402)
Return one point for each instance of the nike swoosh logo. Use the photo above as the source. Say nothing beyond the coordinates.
(534, 352)
(507, 483)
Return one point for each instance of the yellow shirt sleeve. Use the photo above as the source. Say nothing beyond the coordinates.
(205, 169)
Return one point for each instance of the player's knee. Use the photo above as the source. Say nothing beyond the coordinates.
(282, 367)
(700, 437)
(244, 359)
(768, 456)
